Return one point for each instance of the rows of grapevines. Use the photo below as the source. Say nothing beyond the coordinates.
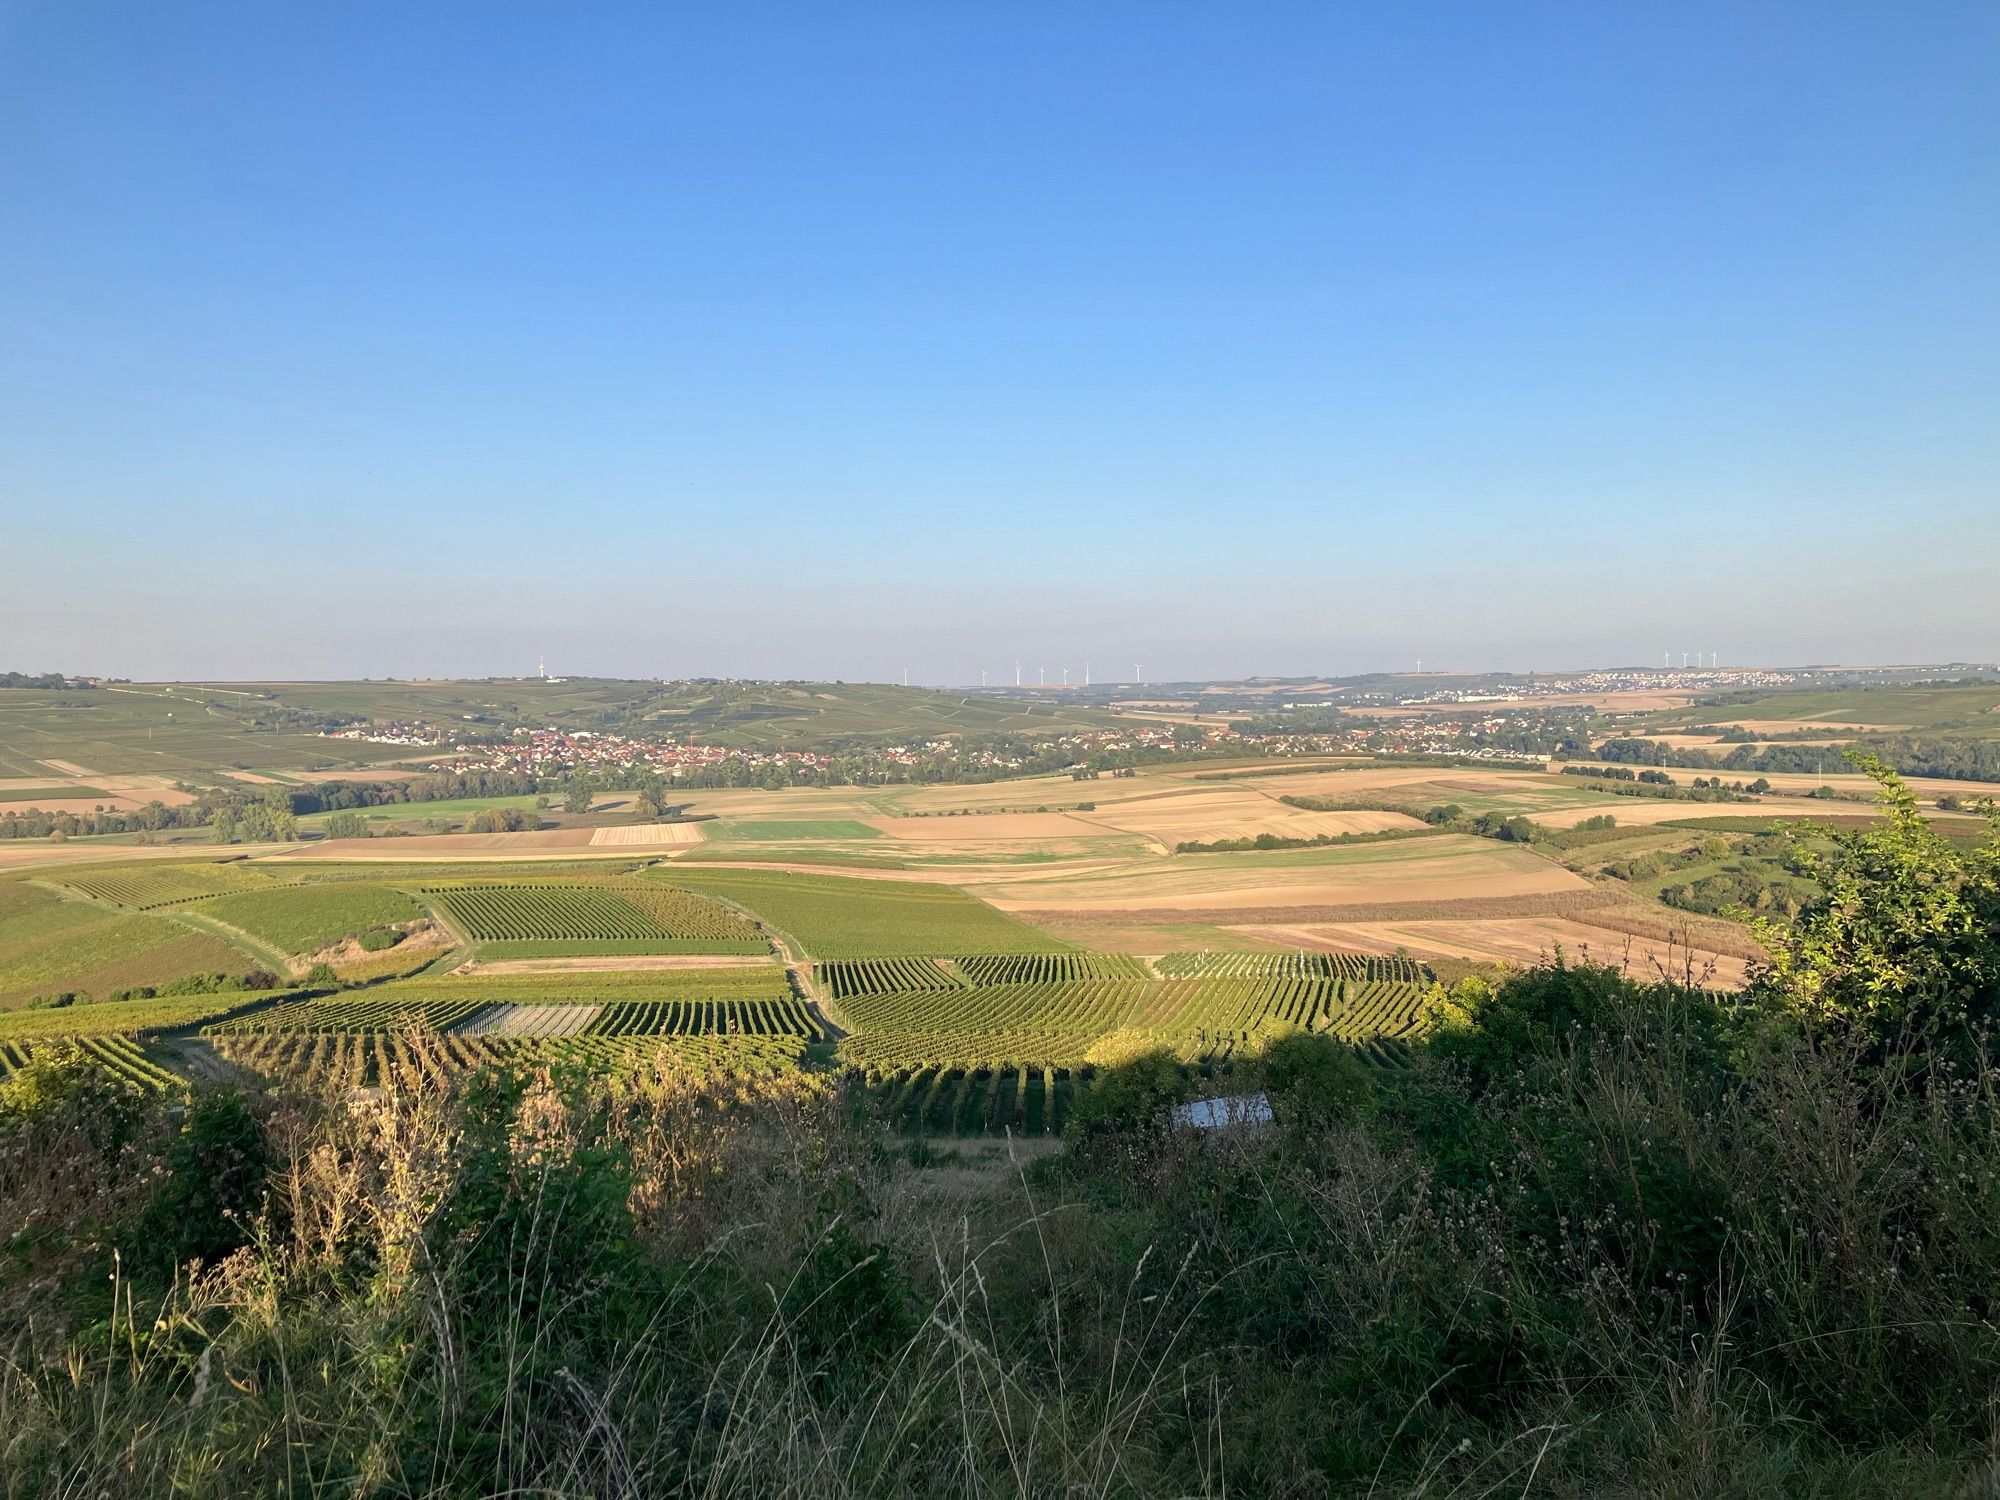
(710, 1017)
(379, 1060)
(885, 976)
(542, 913)
(145, 887)
(130, 1017)
(122, 1056)
(733, 982)
(1288, 965)
(1009, 1099)
(1092, 1006)
(355, 1013)
(1062, 1024)
(1383, 1008)
(1039, 968)
(685, 915)
(630, 912)
(882, 976)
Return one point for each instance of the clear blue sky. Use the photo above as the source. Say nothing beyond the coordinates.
(824, 340)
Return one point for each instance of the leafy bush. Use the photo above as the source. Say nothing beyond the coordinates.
(1315, 1081)
(211, 1188)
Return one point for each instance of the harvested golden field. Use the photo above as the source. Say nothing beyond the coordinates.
(359, 774)
(1644, 812)
(1447, 868)
(645, 835)
(1829, 723)
(1207, 815)
(1519, 941)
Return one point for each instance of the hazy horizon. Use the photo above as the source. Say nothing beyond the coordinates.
(820, 344)
(1099, 680)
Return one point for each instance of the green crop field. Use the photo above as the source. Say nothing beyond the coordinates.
(845, 917)
(35, 796)
(796, 832)
(113, 953)
(302, 919)
(31, 914)
(443, 810)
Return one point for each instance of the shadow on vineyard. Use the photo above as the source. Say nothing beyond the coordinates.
(1596, 1235)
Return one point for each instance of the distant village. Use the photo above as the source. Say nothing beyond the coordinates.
(558, 752)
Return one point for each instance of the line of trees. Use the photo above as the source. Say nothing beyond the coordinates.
(1961, 759)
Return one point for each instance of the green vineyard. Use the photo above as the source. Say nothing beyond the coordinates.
(981, 1101)
(632, 917)
(1293, 965)
(471, 1015)
(949, 1055)
(391, 1060)
(130, 1017)
(121, 1056)
(145, 887)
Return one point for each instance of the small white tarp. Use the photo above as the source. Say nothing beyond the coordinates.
(1225, 1113)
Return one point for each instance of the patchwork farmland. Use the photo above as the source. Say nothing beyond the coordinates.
(944, 1014)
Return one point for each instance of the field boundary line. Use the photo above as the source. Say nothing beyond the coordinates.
(794, 956)
(236, 937)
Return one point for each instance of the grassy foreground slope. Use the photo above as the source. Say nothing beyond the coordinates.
(1599, 1237)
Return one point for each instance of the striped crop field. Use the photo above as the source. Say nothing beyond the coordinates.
(123, 1057)
(530, 1020)
(358, 1013)
(631, 917)
(131, 1017)
(330, 1060)
(1289, 965)
(1028, 1101)
(762, 982)
(800, 1018)
(1048, 968)
(881, 976)
(838, 916)
(954, 1057)
(886, 976)
(149, 886)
